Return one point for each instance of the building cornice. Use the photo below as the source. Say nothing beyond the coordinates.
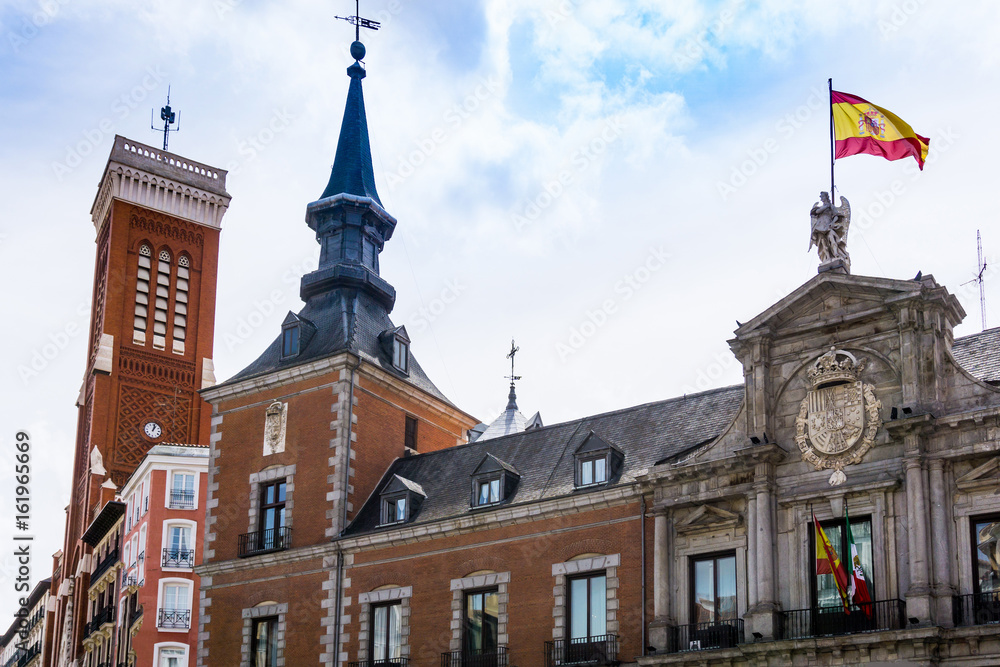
(295, 555)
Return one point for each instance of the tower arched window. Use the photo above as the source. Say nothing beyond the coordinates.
(181, 303)
(162, 296)
(142, 295)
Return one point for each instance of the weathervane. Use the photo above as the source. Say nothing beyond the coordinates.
(510, 355)
(169, 118)
(358, 22)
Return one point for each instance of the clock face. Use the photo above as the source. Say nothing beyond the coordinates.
(152, 429)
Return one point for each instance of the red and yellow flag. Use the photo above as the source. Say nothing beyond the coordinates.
(861, 127)
(827, 562)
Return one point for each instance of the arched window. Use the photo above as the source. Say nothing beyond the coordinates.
(142, 295)
(162, 294)
(181, 303)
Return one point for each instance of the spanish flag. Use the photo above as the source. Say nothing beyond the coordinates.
(828, 562)
(862, 127)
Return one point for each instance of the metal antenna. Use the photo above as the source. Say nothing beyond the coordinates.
(359, 22)
(510, 355)
(169, 118)
(980, 277)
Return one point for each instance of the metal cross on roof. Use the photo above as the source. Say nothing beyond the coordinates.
(358, 22)
(510, 355)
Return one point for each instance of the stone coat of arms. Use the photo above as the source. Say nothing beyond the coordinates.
(839, 417)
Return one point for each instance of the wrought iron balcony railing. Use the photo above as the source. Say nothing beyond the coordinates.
(602, 650)
(178, 558)
(705, 636)
(976, 609)
(105, 615)
(181, 499)
(825, 621)
(263, 541)
(174, 618)
(105, 563)
(388, 662)
(496, 657)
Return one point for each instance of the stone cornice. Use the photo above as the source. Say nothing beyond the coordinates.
(296, 555)
(279, 378)
(493, 519)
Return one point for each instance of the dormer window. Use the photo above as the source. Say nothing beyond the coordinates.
(493, 482)
(597, 461)
(396, 347)
(401, 499)
(295, 334)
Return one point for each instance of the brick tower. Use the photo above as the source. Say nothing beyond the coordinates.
(158, 217)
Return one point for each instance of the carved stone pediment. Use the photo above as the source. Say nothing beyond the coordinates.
(985, 475)
(707, 517)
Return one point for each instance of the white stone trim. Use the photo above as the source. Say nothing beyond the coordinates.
(402, 595)
(252, 613)
(498, 580)
(561, 571)
(259, 478)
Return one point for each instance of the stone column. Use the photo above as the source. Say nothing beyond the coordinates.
(941, 540)
(918, 597)
(763, 615)
(751, 550)
(662, 619)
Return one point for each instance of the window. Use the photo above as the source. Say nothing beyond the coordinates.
(487, 491)
(588, 612)
(986, 550)
(180, 303)
(175, 611)
(264, 644)
(394, 510)
(182, 491)
(272, 515)
(162, 294)
(400, 354)
(824, 585)
(594, 471)
(290, 342)
(410, 437)
(172, 657)
(713, 589)
(386, 638)
(142, 295)
(482, 613)
(178, 552)
(145, 495)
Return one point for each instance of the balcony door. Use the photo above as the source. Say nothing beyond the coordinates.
(713, 590)
(825, 585)
(272, 515)
(386, 638)
(482, 614)
(588, 607)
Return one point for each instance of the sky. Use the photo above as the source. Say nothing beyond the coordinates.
(612, 183)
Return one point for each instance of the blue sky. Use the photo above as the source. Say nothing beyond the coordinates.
(540, 158)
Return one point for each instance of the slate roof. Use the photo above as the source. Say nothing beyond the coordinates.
(346, 320)
(509, 421)
(352, 171)
(980, 354)
(544, 457)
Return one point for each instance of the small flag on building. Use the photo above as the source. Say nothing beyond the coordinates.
(858, 589)
(828, 562)
(862, 127)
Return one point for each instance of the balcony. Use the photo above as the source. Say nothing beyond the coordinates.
(174, 619)
(388, 662)
(106, 615)
(976, 609)
(705, 636)
(601, 650)
(104, 564)
(181, 500)
(496, 657)
(178, 558)
(135, 616)
(828, 621)
(264, 541)
(30, 654)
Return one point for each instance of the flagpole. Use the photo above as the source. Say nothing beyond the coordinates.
(832, 142)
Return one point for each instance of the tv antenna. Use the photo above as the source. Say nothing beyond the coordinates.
(980, 277)
(168, 117)
(358, 22)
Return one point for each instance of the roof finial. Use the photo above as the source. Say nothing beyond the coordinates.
(357, 48)
(512, 396)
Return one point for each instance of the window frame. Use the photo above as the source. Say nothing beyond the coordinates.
(466, 594)
(400, 354)
(196, 483)
(390, 509)
(373, 610)
(484, 480)
(839, 524)
(714, 557)
(410, 432)
(583, 460)
(272, 639)
(291, 341)
(974, 547)
(587, 576)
